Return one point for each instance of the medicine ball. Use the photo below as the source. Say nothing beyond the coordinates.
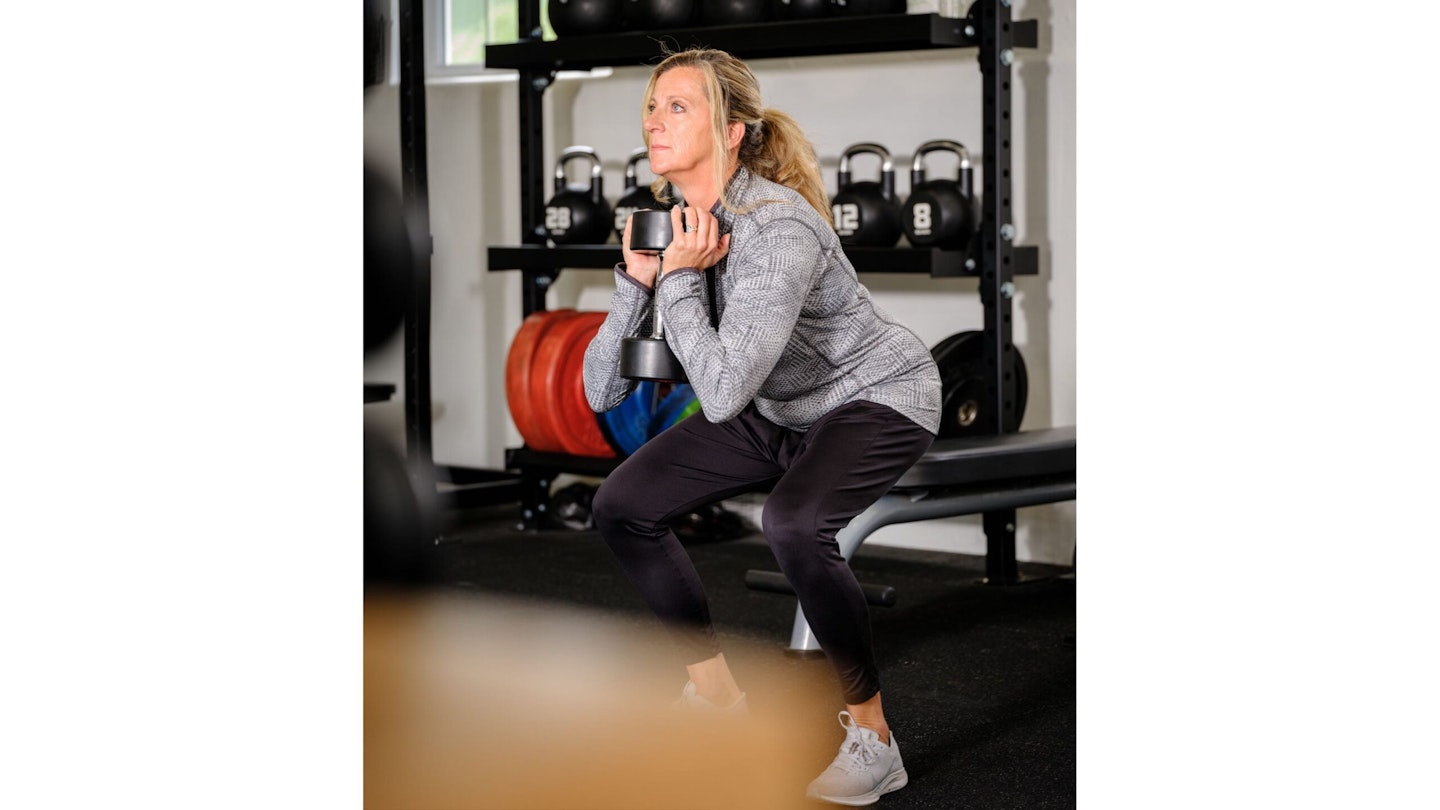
(650, 15)
(859, 8)
(800, 9)
(733, 12)
(582, 17)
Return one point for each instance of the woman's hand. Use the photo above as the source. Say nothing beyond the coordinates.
(696, 241)
(639, 265)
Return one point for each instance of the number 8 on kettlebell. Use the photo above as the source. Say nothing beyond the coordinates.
(940, 213)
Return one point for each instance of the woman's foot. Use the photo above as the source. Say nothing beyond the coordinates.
(863, 771)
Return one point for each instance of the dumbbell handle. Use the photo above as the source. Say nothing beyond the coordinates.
(658, 332)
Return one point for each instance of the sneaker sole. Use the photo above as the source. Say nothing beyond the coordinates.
(893, 782)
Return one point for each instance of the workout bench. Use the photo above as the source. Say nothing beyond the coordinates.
(991, 476)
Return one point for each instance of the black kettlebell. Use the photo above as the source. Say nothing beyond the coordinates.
(636, 196)
(940, 213)
(733, 12)
(800, 9)
(649, 15)
(578, 214)
(867, 214)
(582, 17)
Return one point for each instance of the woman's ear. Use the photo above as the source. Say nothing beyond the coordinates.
(734, 133)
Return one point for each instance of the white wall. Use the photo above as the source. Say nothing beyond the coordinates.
(899, 100)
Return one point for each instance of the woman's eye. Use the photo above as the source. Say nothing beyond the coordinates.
(676, 108)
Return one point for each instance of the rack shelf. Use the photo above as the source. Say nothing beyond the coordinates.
(933, 262)
(824, 37)
(988, 32)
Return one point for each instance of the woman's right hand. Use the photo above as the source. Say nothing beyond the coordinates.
(639, 265)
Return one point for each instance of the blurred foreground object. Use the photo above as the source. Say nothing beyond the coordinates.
(482, 702)
(400, 521)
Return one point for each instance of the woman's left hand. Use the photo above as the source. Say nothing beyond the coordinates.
(696, 241)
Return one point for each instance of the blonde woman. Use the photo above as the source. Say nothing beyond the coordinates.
(807, 389)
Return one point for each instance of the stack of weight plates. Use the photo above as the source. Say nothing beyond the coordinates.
(545, 392)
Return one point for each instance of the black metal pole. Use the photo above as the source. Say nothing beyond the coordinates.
(997, 267)
(533, 83)
(997, 249)
(415, 193)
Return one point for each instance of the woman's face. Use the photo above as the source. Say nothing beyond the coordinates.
(678, 125)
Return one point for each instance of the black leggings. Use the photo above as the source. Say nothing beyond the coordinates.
(821, 479)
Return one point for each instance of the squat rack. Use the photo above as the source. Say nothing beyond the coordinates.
(992, 255)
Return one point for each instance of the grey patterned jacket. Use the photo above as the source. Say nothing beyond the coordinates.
(799, 335)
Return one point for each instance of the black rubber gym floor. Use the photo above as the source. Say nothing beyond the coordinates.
(979, 680)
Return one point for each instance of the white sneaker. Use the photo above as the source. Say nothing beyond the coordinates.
(691, 701)
(863, 771)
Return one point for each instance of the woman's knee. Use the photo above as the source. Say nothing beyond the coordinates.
(791, 532)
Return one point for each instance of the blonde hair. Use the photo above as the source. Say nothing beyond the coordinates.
(774, 146)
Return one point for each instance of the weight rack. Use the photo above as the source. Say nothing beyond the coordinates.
(992, 256)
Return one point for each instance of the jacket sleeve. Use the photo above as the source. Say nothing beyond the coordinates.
(631, 306)
(773, 273)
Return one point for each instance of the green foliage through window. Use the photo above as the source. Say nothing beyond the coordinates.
(473, 24)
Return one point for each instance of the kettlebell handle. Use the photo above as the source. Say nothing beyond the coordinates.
(917, 166)
(570, 154)
(640, 153)
(887, 167)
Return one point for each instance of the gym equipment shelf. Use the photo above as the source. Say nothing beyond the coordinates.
(769, 40)
(933, 262)
(992, 257)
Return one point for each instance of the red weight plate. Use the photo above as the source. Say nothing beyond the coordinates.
(548, 392)
(519, 366)
(584, 426)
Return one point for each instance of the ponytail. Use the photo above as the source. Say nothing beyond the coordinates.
(776, 149)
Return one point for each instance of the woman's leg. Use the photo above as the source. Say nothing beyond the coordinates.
(835, 471)
(690, 464)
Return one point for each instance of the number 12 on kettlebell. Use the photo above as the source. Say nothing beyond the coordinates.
(866, 213)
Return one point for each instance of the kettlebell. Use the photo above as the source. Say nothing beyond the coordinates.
(733, 12)
(582, 17)
(940, 213)
(867, 214)
(578, 214)
(800, 9)
(636, 197)
(650, 15)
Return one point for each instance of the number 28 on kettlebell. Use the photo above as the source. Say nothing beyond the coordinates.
(578, 214)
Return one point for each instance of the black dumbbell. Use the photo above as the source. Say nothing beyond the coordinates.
(641, 357)
(636, 196)
(578, 214)
(940, 213)
(867, 213)
(582, 17)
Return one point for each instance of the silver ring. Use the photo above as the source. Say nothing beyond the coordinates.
(689, 230)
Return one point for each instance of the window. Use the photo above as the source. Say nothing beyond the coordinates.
(465, 27)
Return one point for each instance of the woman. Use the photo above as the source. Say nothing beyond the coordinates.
(806, 387)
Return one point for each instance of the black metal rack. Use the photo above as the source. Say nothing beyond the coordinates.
(992, 256)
